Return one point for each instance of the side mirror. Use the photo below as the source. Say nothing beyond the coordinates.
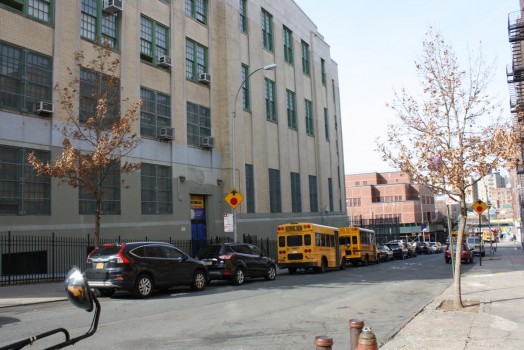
(77, 290)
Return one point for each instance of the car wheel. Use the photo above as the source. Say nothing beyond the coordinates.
(106, 292)
(199, 281)
(271, 273)
(239, 277)
(143, 286)
(292, 270)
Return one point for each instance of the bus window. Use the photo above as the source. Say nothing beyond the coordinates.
(307, 239)
(354, 240)
(282, 241)
(294, 241)
(343, 240)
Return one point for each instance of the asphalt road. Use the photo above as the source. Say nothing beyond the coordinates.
(286, 313)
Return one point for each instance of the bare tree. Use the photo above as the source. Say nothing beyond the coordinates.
(97, 137)
(453, 133)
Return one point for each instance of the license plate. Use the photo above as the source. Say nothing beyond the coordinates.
(99, 266)
(209, 263)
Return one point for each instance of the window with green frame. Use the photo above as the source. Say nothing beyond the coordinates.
(244, 73)
(309, 117)
(267, 30)
(155, 112)
(196, 60)
(275, 196)
(291, 109)
(305, 58)
(94, 86)
(270, 98)
(97, 25)
(41, 10)
(288, 45)
(198, 123)
(22, 192)
(111, 199)
(330, 192)
(313, 194)
(154, 40)
(250, 188)
(156, 189)
(197, 9)
(296, 195)
(326, 123)
(323, 70)
(242, 9)
(26, 78)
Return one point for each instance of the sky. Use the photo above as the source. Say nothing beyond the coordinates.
(375, 44)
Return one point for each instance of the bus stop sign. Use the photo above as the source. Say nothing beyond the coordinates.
(479, 206)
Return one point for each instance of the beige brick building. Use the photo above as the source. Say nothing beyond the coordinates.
(187, 60)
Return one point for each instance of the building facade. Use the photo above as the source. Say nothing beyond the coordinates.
(217, 116)
(388, 197)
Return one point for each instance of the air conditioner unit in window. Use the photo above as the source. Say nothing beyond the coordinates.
(208, 142)
(43, 107)
(112, 6)
(166, 133)
(205, 78)
(164, 61)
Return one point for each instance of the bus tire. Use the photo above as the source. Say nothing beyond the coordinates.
(343, 264)
(292, 270)
(322, 267)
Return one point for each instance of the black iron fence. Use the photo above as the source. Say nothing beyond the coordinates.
(48, 258)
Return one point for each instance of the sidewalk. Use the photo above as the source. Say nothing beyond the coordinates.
(494, 321)
(24, 294)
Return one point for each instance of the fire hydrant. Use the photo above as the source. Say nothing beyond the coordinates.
(367, 340)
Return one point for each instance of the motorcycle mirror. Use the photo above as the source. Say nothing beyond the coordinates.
(78, 291)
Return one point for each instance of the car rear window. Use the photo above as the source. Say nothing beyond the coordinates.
(107, 250)
(210, 251)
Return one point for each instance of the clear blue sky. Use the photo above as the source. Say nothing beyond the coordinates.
(375, 44)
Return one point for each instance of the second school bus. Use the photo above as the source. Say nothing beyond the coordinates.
(359, 245)
(304, 245)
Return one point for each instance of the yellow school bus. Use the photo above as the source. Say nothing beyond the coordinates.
(359, 245)
(304, 245)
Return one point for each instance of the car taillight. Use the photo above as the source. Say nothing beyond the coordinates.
(225, 256)
(121, 259)
(92, 252)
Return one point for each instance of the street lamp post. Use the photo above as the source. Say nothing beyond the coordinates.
(233, 142)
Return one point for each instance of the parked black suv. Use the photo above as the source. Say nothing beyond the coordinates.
(141, 267)
(236, 262)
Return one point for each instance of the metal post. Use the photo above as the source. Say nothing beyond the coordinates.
(480, 230)
(323, 342)
(355, 328)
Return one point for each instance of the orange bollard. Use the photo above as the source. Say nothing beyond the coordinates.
(323, 342)
(355, 327)
(367, 340)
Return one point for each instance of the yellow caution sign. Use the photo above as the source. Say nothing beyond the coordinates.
(234, 198)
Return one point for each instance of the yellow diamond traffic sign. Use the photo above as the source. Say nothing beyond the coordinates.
(234, 198)
(479, 206)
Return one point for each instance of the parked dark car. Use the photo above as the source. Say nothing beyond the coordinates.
(384, 253)
(399, 250)
(141, 267)
(422, 248)
(236, 262)
(466, 256)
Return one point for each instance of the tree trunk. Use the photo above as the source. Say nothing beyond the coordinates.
(98, 210)
(457, 292)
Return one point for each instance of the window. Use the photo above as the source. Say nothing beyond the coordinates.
(243, 15)
(38, 9)
(326, 123)
(93, 86)
(330, 191)
(323, 71)
(267, 30)
(269, 95)
(288, 45)
(157, 189)
(275, 203)
(111, 199)
(309, 117)
(291, 109)
(26, 77)
(96, 25)
(154, 40)
(296, 196)
(246, 103)
(196, 60)
(305, 58)
(250, 188)
(155, 112)
(197, 9)
(21, 191)
(198, 124)
(313, 194)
